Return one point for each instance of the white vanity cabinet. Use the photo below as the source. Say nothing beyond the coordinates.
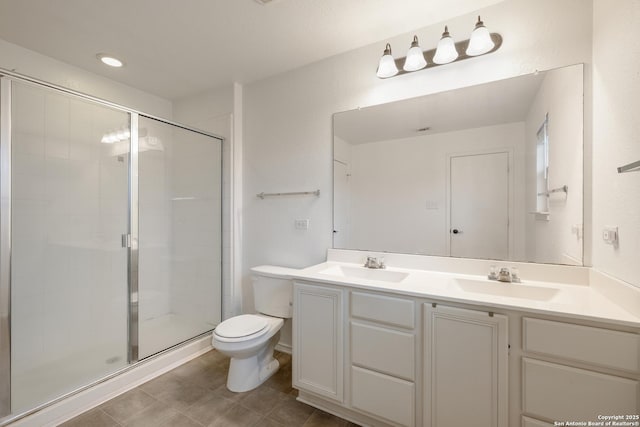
(387, 359)
(578, 372)
(465, 368)
(318, 355)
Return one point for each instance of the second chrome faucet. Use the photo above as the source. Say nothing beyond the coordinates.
(504, 274)
(373, 262)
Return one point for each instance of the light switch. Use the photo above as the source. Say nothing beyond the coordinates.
(610, 235)
(432, 205)
(302, 224)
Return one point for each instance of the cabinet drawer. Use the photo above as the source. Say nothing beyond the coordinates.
(596, 346)
(383, 350)
(384, 309)
(559, 392)
(530, 422)
(384, 396)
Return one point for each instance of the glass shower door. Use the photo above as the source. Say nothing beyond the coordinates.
(69, 210)
(180, 243)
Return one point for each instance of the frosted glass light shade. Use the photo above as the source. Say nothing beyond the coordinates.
(446, 51)
(387, 66)
(480, 41)
(415, 57)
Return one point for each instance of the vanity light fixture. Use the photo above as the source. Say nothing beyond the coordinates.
(387, 66)
(109, 60)
(446, 51)
(481, 42)
(415, 57)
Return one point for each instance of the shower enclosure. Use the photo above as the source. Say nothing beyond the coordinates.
(110, 240)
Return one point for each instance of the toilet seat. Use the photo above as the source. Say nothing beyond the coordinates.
(243, 327)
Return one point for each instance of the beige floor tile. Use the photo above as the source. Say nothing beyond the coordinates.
(175, 391)
(93, 418)
(160, 415)
(322, 419)
(263, 399)
(195, 395)
(290, 412)
(208, 408)
(127, 405)
(237, 416)
(228, 394)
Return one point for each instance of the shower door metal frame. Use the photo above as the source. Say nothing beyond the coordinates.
(132, 242)
(5, 246)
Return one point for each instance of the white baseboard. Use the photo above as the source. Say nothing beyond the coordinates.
(285, 348)
(80, 402)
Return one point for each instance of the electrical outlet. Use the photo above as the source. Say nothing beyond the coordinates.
(302, 224)
(610, 235)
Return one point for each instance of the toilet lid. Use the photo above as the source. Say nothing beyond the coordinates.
(241, 326)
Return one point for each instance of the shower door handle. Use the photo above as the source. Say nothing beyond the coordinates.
(126, 240)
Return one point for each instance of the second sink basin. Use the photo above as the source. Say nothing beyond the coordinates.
(511, 290)
(365, 273)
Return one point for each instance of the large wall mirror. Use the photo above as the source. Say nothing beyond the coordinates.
(493, 171)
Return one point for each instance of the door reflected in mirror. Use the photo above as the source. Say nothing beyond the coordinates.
(492, 171)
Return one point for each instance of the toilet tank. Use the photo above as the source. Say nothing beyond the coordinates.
(272, 291)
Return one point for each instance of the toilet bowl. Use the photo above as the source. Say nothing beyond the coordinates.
(250, 339)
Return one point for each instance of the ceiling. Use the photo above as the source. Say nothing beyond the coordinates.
(503, 101)
(176, 48)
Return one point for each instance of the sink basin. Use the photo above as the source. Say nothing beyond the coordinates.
(365, 273)
(511, 290)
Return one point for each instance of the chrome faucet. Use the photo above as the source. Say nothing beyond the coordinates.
(373, 262)
(505, 274)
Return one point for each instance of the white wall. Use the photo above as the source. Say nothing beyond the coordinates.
(393, 181)
(561, 97)
(341, 150)
(33, 64)
(616, 135)
(288, 118)
(202, 110)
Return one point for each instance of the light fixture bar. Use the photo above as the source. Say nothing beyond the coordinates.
(461, 47)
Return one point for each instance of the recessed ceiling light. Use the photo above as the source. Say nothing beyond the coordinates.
(109, 60)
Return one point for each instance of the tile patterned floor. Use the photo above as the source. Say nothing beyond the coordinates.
(195, 395)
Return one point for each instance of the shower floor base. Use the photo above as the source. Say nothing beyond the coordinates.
(47, 381)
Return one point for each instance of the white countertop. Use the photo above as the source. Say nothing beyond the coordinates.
(579, 301)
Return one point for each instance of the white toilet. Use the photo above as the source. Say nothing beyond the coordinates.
(250, 339)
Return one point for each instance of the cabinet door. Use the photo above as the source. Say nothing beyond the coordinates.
(317, 340)
(466, 366)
